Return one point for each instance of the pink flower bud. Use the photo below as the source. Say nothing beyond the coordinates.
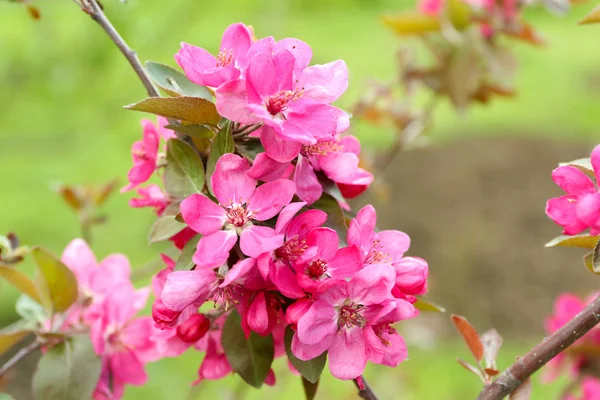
(193, 329)
(162, 315)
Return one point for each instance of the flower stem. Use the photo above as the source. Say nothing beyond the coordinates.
(367, 393)
(93, 8)
(19, 355)
(543, 352)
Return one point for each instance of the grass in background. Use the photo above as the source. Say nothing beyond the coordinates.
(64, 82)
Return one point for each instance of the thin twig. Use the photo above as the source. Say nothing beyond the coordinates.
(19, 355)
(543, 352)
(367, 393)
(95, 11)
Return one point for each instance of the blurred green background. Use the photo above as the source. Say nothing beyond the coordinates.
(63, 84)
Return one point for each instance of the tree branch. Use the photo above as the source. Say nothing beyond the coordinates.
(366, 393)
(93, 8)
(543, 352)
(19, 355)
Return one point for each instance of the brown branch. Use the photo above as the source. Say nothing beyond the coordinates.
(543, 352)
(367, 393)
(93, 8)
(19, 355)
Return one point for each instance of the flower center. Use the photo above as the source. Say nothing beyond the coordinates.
(238, 216)
(377, 257)
(381, 329)
(317, 268)
(279, 102)
(113, 340)
(225, 58)
(322, 148)
(140, 153)
(349, 316)
(291, 249)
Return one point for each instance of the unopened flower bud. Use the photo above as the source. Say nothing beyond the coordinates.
(193, 329)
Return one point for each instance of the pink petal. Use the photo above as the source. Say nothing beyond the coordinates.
(232, 103)
(264, 45)
(306, 222)
(269, 198)
(309, 351)
(396, 351)
(351, 144)
(301, 52)
(346, 263)
(261, 78)
(326, 240)
(339, 167)
(213, 250)
(562, 210)
(588, 209)
(151, 137)
(348, 354)
(296, 310)
(362, 227)
(202, 214)
(319, 322)
(230, 181)
(343, 121)
(256, 240)
(278, 148)
(186, 287)
(238, 272)
(267, 169)
(201, 67)
(285, 280)
(324, 83)
(411, 275)
(163, 132)
(372, 285)
(237, 37)
(78, 256)
(572, 180)
(137, 336)
(287, 214)
(127, 368)
(308, 186)
(393, 243)
(305, 120)
(595, 160)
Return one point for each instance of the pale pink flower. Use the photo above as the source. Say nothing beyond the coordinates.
(580, 207)
(336, 321)
(203, 68)
(144, 153)
(151, 196)
(240, 203)
(123, 341)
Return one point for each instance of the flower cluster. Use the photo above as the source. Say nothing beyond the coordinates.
(262, 249)
(579, 208)
(580, 361)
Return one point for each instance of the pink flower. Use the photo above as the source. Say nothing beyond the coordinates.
(95, 280)
(580, 207)
(270, 95)
(323, 259)
(203, 68)
(123, 341)
(240, 203)
(193, 329)
(151, 196)
(182, 238)
(590, 390)
(215, 365)
(144, 154)
(336, 321)
(279, 265)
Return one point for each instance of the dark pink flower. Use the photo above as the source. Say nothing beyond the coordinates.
(193, 329)
(336, 321)
(151, 196)
(203, 68)
(144, 154)
(240, 203)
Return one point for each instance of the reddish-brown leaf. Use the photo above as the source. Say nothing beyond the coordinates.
(470, 335)
(34, 12)
(491, 371)
(471, 368)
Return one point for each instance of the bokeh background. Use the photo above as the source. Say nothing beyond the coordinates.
(472, 201)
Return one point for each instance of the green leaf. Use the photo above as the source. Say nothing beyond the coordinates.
(310, 370)
(19, 280)
(596, 259)
(30, 310)
(251, 358)
(588, 260)
(190, 109)
(184, 262)
(195, 130)
(250, 148)
(68, 371)
(336, 219)
(164, 228)
(584, 164)
(57, 283)
(412, 23)
(13, 334)
(222, 144)
(426, 305)
(310, 388)
(174, 82)
(184, 173)
(584, 240)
